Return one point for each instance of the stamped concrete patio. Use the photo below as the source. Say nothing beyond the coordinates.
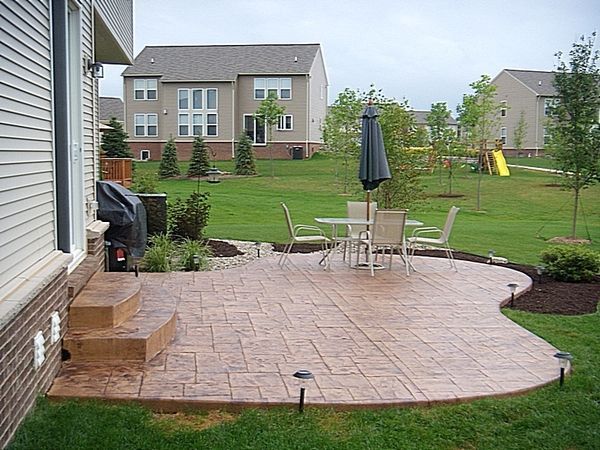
(435, 336)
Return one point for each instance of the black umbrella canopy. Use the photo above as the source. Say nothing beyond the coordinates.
(373, 161)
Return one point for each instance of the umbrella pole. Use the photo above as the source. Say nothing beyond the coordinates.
(368, 205)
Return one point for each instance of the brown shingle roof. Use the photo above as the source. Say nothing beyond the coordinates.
(109, 107)
(538, 81)
(222, 62)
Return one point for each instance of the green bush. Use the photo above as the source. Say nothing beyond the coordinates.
(187, 218)
(159, 254)
(145, 183)
(571, 263)
(186, 251)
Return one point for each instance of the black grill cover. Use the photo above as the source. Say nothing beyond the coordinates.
(126, 215)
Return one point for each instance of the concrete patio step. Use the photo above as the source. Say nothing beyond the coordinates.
(140, 337)
(108, 300)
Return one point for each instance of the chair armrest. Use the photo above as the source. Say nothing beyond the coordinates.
(425, 230)
(364, 235)
(299, 228)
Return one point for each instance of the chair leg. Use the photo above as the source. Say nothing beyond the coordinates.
(370, 258)
(450, 257)
(286, 251)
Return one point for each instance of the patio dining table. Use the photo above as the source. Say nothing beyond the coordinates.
(344, 221)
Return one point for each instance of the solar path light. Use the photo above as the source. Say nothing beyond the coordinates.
(304, 376)
(564, 359)
(512, 287)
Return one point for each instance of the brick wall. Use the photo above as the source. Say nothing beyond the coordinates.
(20, 383)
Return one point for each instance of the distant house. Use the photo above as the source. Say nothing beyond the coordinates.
(109, 107)
(421, 119)
(49, 231)
(531, 92)
(214, 90)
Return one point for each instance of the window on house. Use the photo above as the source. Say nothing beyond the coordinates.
(211, 99)
(212, 125)
(197, 125)
(503, 108)
(549, 103)
(254, 129)
(286, 123)
(145, 89)
(280, 87)
(503, 135)
(197, 98)
(184, 124)
(145, 124)
(144, 155)
(183, 99)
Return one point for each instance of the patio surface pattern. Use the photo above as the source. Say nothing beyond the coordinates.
(435, 336)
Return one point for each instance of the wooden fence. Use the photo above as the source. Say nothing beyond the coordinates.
(117, 170)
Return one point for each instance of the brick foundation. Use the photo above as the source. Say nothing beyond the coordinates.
(221, 151)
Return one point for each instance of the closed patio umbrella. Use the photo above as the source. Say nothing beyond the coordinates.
(373, 167)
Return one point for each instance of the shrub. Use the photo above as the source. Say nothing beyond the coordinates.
(159, 254)
(200, 162)
(244, 157)
(186, 252)
(187, 218)
(114, 141)
(571, 263)
(168, 163)
(145, 183)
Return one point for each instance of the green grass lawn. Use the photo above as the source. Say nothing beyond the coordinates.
(541, 161)
(518, 212)
(548, 418)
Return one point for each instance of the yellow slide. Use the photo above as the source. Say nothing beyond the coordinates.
(501, 163)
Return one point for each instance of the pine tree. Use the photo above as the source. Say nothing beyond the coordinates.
(114, 142)
(168, 163)
(200, 162)
(244, 157)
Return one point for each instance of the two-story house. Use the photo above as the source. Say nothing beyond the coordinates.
(528, 94)
(214, 90)
(51, 61)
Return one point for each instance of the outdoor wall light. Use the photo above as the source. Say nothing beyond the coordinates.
(304, 376)
(564, 359)
(257, 247)
(196, 262)
(512, 287)
(96, 69)
(491, 254)
(540, 271)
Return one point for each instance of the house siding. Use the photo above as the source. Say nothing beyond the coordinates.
(118, 16)
(318, 100)
(26, 142)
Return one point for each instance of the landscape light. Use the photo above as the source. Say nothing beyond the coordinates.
(304, 376)
(257, 247)
(512, 287)
(540, 271)
(491, 254)
(564, 359)
(196, 262)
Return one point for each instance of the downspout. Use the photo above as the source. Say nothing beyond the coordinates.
(537, 124)
(307, 114)
(233, 119)
(61, 124)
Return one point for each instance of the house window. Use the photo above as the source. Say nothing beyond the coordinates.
(286, 123)
(146, 124)
(184, 124)
(144, 155)
(280, 87)
(254, 129)
(503, 108)
(503, 135)
(145, 89)
(549, 103)
(193, 118)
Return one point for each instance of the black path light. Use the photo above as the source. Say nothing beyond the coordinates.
(304, 376)
(564, 359)
(257, 245)
(196, 262)
(512, 287)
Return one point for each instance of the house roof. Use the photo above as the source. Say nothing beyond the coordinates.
(421, 117)
(109, 107)
(538, 81)
(222, 62)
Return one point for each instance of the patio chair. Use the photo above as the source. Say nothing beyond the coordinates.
(387, 232)
(355, 210)
(442, 239)
(296, 235)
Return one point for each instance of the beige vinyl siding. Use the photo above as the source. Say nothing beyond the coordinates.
(133, 107)
(118, 16)
(296, 106)
(318, 105)
(26, 150)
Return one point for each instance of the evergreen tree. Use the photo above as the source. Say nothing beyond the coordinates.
(244, 157)
(114, 142)
(168, 163)
(200, 162)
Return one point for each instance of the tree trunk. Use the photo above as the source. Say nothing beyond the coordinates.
(574, 225)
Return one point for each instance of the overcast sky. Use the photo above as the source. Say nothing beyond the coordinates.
(424, 51)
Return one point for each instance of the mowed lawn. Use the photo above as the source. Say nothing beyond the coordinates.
(518, 213)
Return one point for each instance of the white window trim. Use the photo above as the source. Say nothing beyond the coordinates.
(254, 122)
(265, 89)
(205, 102)
(145, 90)
(206, 124)
(144, 152)
(282, 120)
(503, 108)
(145, 125)
(503, 135)
(188, 99)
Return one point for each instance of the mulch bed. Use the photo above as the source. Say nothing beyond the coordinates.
(547, 296)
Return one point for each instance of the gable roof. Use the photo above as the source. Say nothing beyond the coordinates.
(109, 107)
(222, 62)
(538, 81)
(421, 117)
